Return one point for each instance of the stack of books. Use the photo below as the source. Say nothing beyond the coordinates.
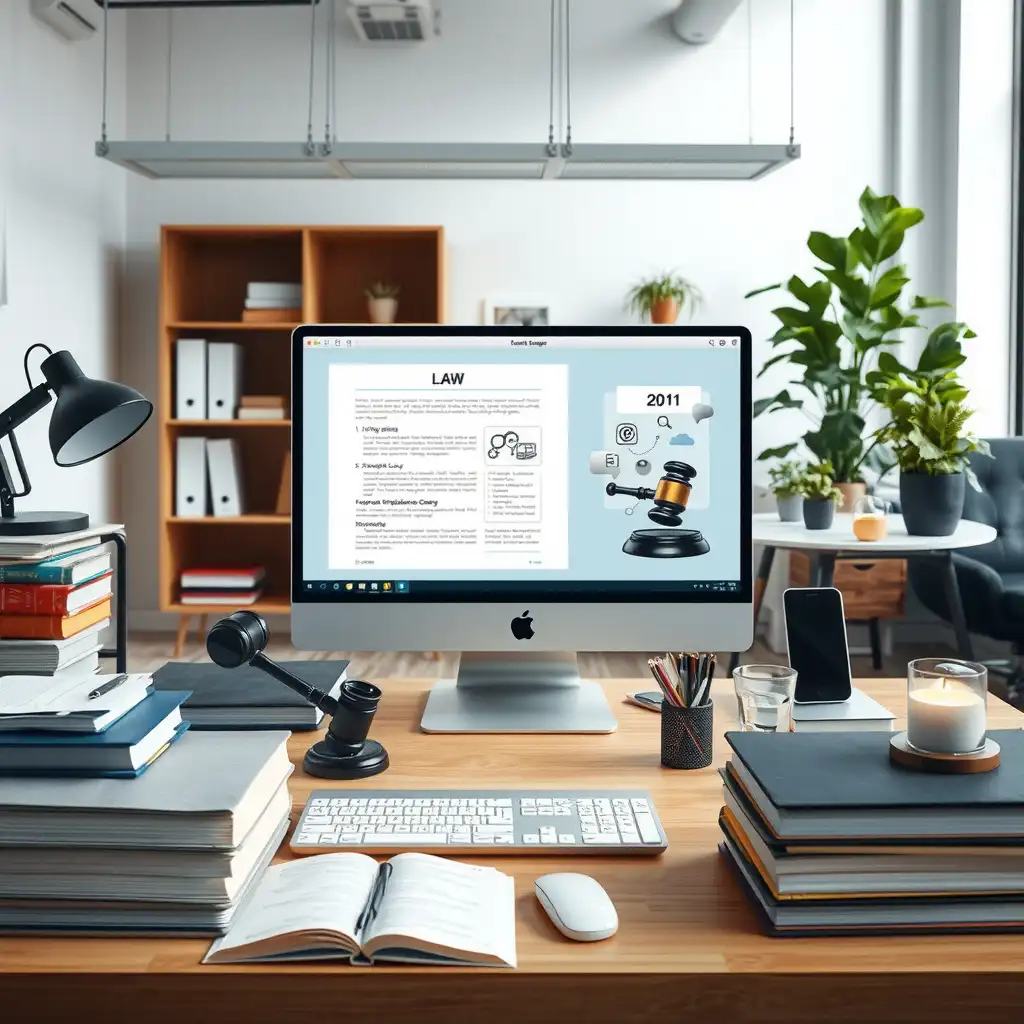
(262, 407)
(174, 852)
(102, 726)
(55, 599)
(272, 302)
(827, 837)
(237, 587)
(247, 698)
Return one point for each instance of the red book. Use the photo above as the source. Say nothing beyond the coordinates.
(56, 599)
(52, 627)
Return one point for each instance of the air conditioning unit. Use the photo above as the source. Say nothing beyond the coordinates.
(395, 21)
(73, 19)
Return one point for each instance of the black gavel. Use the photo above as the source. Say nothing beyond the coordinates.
(670, 496)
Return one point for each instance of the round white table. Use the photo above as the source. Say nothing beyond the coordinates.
(825, 546)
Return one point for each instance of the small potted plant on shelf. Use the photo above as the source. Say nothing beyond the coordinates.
(382, 300)
(661, 299)
(785, 479)
(820, 495)
(926, 431)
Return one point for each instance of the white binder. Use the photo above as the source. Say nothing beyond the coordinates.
(225, 477)
(190, 379)
(224, 380)
(190, 478)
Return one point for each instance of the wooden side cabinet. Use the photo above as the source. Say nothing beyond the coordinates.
(871, 589)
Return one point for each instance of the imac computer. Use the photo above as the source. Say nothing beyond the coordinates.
(519, 494)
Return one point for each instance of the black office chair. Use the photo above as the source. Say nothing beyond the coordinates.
(991, 577)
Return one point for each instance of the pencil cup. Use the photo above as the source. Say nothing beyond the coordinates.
(687, 735)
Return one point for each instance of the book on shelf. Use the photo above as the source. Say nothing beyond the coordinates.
(65, 570)
(221, 597)
(53, 627)
(414, 909)
(46, 657)
(284, 315)
(264, 402)
(63, 704)
(246, 698)
(239, 578)
(39, 548)
(249, 412)
(52, 599)
(124, 749)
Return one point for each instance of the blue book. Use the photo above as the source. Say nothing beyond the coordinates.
(69, 569)
(126, 748)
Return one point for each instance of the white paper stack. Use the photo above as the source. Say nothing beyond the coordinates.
(273, 295)
(174, 851)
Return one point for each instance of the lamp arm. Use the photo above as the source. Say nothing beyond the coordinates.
(14, 416)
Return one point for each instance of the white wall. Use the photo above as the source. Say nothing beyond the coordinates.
(65, 219)
(241, 76)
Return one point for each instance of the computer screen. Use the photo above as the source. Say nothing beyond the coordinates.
(444, 464)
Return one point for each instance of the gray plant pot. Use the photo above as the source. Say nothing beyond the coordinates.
(819, 513)
(932, 505)
(790, 507)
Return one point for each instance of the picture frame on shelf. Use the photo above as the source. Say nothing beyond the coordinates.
(517, 311)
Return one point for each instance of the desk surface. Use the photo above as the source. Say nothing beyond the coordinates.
(687, 938)
(769, 529)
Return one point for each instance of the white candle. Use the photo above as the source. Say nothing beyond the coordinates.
(946, 719)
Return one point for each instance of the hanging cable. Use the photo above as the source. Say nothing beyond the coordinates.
(568, 78)
(334, 80)
(750, 72)
(551, 85)
(167, 88)
(310, 149)
(103, 104)
(792, 80)
(329, 76)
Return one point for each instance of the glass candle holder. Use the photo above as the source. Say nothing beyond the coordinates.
(946, 706)
(871, 518)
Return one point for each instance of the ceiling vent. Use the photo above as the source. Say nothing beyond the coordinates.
(394, 21)
(73, 19)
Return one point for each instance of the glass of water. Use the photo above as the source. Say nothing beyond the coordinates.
(764, 697)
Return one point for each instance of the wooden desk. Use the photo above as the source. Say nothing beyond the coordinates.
(688, 945)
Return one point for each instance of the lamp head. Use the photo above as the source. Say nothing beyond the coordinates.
(90, 416)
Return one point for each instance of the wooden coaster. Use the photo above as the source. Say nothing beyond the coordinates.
(901, 753)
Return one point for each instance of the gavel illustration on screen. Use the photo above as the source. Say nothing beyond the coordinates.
(669, 497)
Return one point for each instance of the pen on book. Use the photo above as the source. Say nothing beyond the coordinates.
(109, 685)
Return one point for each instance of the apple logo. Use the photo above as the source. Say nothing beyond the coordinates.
(522, 627)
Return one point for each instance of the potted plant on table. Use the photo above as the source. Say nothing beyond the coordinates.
(661, 299)
(926, 431)
(382, 302)
(785, 477)
(820, 495)
(836, 333)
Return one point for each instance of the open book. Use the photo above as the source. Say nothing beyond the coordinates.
(413, 909)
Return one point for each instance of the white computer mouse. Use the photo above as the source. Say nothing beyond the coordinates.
(577, 905)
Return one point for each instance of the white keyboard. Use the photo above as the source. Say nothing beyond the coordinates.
(480, 821)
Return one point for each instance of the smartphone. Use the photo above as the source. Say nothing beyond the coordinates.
(816, 644)
(650, 699)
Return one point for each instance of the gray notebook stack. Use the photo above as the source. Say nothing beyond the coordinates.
(172, 852)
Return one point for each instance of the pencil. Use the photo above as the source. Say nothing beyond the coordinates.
(659, 677)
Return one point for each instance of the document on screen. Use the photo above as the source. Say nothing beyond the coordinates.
(448, 467)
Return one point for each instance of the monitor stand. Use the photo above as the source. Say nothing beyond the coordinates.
(518, 692)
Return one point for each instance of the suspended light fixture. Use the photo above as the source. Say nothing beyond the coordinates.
(331, 159)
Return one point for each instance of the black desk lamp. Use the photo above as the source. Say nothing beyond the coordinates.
(89, 419)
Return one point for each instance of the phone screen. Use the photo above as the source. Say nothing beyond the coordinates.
(816, 640)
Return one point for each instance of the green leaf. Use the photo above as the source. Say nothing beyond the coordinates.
(828, 249)
(760, 291)
(792, 317)
(865, 245)
(854, 293)
(942, 351)
(815, 297)
(771, 362)
(777, 453)
(874, 208)
(923, 445)
(888, 287)
(889, 244)
(901, 218)
(927, 302)
(783, 400)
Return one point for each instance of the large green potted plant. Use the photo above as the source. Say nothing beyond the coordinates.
(833, 333)
(785, 477)
(661, 299)
(926, 431)
(820, 495)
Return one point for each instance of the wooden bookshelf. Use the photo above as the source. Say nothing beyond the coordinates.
(205, 271)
